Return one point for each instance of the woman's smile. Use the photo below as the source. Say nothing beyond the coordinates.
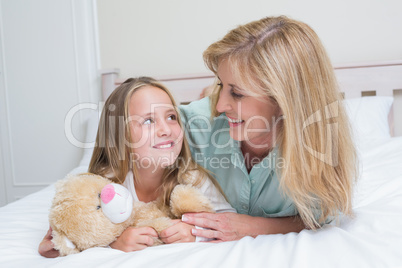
(234, 122)
(250, 118)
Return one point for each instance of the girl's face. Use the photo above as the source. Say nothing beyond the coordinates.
(250, 119)
(156, 135)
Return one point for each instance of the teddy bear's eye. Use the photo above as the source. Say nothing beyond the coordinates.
(99, 195)
(98, 207)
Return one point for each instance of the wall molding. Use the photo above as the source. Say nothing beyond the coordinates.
(4, 121)
(82, 19)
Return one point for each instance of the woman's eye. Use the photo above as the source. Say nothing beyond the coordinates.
(220, 84)
(235, 95)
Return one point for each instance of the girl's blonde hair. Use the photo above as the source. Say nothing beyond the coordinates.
(284, 60)
(112, 155)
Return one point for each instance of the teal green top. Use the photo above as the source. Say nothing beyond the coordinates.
(256, 193)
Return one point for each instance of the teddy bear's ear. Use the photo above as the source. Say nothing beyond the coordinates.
(60, 183)
(63, 244)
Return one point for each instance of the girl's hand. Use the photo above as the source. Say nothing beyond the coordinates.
(177, 233)
(133, 239)
(46, 246)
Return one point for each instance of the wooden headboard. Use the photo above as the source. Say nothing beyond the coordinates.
(355, 80)
(185, 88)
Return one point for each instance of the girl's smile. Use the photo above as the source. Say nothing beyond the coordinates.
(164, 145)
(155, 131)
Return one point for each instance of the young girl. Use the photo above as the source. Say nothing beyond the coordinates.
(140, 144)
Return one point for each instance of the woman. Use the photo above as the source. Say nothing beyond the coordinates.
(279, 140)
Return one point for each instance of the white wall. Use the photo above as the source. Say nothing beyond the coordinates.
(162, 37)
(48, 60)
(49, 64)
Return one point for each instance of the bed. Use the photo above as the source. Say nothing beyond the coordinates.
(371, 239)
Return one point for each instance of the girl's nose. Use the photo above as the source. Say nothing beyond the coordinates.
(223, 104)
(163, 129)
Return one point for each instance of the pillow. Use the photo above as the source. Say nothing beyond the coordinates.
(369, 118)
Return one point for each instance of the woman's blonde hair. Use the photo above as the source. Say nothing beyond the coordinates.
(284, 59)
(112, 155)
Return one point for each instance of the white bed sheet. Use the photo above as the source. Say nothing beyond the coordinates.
(373, 238)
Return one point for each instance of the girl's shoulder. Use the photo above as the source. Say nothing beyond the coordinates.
(194, 177)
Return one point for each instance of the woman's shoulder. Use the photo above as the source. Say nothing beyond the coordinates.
(200, 108)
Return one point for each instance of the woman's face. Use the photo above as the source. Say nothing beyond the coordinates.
(250, 118)
(156, 135)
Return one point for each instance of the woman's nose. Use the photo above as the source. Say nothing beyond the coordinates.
(223, 104)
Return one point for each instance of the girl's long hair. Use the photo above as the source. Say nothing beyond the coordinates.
(284, 60)
(112, 155)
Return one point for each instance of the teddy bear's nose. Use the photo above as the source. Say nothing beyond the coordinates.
(107, 193)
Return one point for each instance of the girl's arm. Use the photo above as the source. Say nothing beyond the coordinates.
(45, 248)
(133, 239)
(181, 231)
(233, 226)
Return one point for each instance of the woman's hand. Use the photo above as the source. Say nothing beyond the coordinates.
(232, 226)
(177, 233)
(220, 226)
(133, 239)
(46, 246)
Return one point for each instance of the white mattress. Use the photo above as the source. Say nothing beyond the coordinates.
(372, 239)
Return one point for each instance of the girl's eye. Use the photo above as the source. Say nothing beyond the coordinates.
(172, 117)
(235, 95)
(148, 121)
(220, 84)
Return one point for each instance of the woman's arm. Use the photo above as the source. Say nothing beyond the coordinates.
(232, 226)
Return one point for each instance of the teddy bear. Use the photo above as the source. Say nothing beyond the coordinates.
(91, 211)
